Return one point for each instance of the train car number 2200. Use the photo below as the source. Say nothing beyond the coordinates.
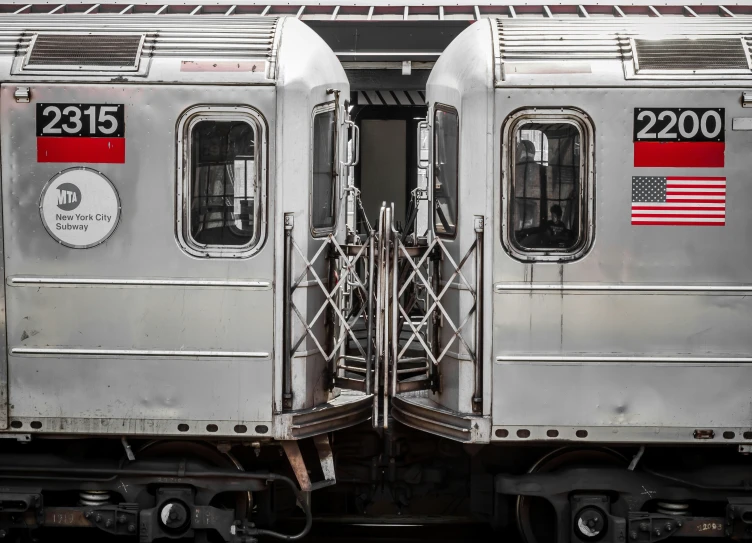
(679, 137)
(678, 124)
(84, 133)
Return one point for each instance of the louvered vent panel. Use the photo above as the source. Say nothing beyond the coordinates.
(557, 39)
(86, 50)
(686, 54)
(110, 43)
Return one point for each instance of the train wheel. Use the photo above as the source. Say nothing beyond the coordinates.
(536, 519)
(208, 454)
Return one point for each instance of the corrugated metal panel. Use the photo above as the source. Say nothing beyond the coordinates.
(241, 36)
(687, 54)
(525, 39)
(101, 50)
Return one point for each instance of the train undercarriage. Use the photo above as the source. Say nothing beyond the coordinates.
(243, 492)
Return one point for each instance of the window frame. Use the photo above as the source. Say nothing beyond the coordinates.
(584, 124)
(446, 109)
(318, 110)
(186, 123)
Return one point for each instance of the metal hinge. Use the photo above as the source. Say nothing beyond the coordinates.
(747, 99)
(22, 95)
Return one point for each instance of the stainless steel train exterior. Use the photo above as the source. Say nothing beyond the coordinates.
(192, 325)
(605, 161)
(163, 180)
(598, 331)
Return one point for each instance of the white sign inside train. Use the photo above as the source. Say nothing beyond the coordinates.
(80, 208)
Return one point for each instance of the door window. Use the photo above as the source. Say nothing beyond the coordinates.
(550, 185)
(446, 170)
(324, 170)
(222, 180)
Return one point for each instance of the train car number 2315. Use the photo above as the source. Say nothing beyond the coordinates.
(85, 120)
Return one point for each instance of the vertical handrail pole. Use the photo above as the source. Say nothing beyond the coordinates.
(343, 296)
(395, 311)
(369, 348)
(436, 319)
(329, 325)
(478, 393)
(379, 320)
(387, 247)
(287, 319)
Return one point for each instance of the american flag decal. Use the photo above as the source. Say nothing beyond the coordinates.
(679, 201)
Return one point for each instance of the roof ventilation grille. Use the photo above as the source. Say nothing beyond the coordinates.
(684, 54)
(90, 51)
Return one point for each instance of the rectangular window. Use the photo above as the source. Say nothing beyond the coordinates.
(222, 184)
(550, 184)
(445, 170)
(324, 170)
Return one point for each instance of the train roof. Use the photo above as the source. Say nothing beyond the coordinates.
(617, 51)
(155, 48)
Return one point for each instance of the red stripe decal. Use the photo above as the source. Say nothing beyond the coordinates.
(715, 196)
(680, 215)
(82, 150)
(695, 201)
(673, 188)
(678, 208)
(695, 178)
(680, 154)
(678, 223)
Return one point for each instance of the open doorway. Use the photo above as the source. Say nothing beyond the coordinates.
(388, 169)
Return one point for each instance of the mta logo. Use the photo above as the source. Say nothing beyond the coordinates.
(68, 196)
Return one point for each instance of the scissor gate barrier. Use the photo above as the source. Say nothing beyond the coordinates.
(383, 327)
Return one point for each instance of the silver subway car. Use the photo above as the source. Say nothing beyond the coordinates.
(163, 179)
(601, 168)
(198, 310)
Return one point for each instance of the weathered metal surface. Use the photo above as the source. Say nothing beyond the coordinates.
(462, 82)
(66, 517)
(247, 47)
(102, 333)
(702, 527)
(668, 302)
(294, 456)
(326, 458)
(350, 407)
(418, 410)
(591, 52)
(3, 337)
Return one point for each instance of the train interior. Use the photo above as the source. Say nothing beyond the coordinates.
(388, 170)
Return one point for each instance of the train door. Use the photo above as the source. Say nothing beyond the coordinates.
(328, 281)
(384, 304)
(389, 201)
(428, 285)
